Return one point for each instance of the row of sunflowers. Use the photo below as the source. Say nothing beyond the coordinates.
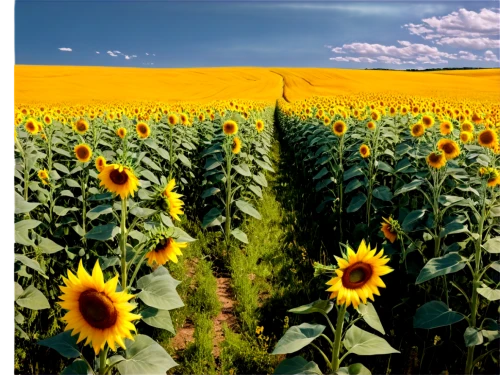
(107, 187)
(419, 177)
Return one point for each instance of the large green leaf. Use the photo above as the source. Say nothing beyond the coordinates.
(492, 245)
(33, 299)
(353, 172)
(358, 341)
(449, 263)
(319, 306)
(472, 337)
(354, 369)
(159, 290)
(21, 231)
(247, 208)
(150, 176)
(412, 218)
(158, 318)
(409, 187)
(260, 179)
(48, 246)
(78, 367)
(435, 314)
(356, 202)
(145, 356)
(297, 337)
(297, 365)
(102, 209)
(453, 228)
(209, 192)
(242, 169)
(21, 206)
(103, 232)
(489, 294)
(64, 344)
(239, 235)
(31, 263)
(211, 218)
(383, 193)
(370, 316)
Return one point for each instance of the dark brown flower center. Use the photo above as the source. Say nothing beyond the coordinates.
(426, 120)
(161, 245)
(486, 137)
(229, 128)
(339, 128)
(143, 129)
(119, 178)
(97, 309)
(82, 152)
(81, 126)
(357, 275)
(30, 126)
(434, 158)
(448, 148)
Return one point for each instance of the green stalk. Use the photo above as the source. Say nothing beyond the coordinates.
(171, 154)
(84, 208)
(102, 361)
(338, 337)
(123, 243)
(340, 185)
(228, 194)
(469, 366)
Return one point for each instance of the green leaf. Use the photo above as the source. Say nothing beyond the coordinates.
(166, 220)
(248, 209)
(453, 228)
(385, 167)
(101, 197)
(264, 165)
(31, 263)
(489, 294)
(239, 235)
(145, 356)
(409, 187)
(102, 209)
(21, 206)
(411, 219)
(150, 176)
(158, 318)
(356, 203)
(48, 246)
(21, 233)
(354, 369)
(435, 314)
(103, 232)
(61, 168)
(449, 263)
(151, 164)
(358, 341)
(78, 367)
(297, 365)
(18, 290)
(318, 175)
(242, 169)
(319, 306)
(64, 344)
(142, 212)
(298, 337)
(211, 218)
(370, 316)
(211, 163)
(260, 179)
(447, 200)
(256, 190)
(472, 337)
(33, 299)
(324, 183)
(383, 193)
(184, 160)
(209, 192)
(492, 245)
(63, 211)
(353, 172)
(159, 290)
(352, 185)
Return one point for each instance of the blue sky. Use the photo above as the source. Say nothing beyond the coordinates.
(376, 34)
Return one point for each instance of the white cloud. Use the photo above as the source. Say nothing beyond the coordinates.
(97, 52)
(127, 57)
(337, 50)
(154, 54)
(474, 43)
(110, 53)
(133, 56)
(490, 56)
(466, 55)
(389, 60)
(147, 54)
(354, 59)
(65, 49)
(117, 52)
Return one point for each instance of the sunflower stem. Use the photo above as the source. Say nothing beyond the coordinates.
(123, 243)
(171, 154)
(228, 195)
(323, 354)
(102, 361)
(338, 337)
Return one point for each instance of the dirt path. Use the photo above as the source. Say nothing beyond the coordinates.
(225, 295)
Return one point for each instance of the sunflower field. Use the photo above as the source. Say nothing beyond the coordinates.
(335, 234)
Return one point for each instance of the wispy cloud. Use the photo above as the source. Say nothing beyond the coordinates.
(98, 52)
(66, 49)
(110, 53)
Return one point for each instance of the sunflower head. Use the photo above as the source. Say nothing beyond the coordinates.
(119, 179)
(364, 151)
(417, 130)
(488, 138)
(96, 310)
(371, 125)
(427, 121)
(173, 119)
(326, 120)
(143, 130)
(492, 176)
(43, 175)
(121, 132)
(466, 137)
(83, 152)
(358, 276)
(390, 228)
(31, 126)
(230, 127)
(81, 126)
(184, 119)
(173, 201)
(236, 146)
(100, 163)
(449, 147)
(259, 125)
(163, 247)
(436, 160)
(339, 128)
(375, 115)
(467, 127)
(446, 127)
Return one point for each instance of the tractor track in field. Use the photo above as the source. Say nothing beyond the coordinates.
(226, 315)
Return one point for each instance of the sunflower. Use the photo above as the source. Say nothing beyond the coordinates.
(436, 160)
(164, 250)
(43, 175)
(326, 120)
(143, 130)
(375, 115)
(466, 137)
(487, 138)
(47, 120)
(428, 121)
(417, 130)
(173, 119)
(371, 125)
(492, 174)
(364, 150)
(389, 229)
(259, 125)
(96, 310)
(81, 126)
(467, 127)
(121, 132)
(449, 147)
(100, 163)
(236, 146)
(31, 126)
(174, 203)
(446, 127)
(83, 152)
(358, 276)
(339, 128)
(184, 119)
(230, 127)
(476, 118)
(119, 179)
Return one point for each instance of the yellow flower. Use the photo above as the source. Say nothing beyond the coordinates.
(173, 119)
(428, 121)
(358, 276)
(230, 127)
(446, 127)
(31, 126)
(81, 126)
(173, 200)
(371, 125)
(143, 130)
(449, 147)
(375, 115)
(364, 150)
(417, 130)
(488, 138)
(236, 146)
(83, 153)
(467, 127)
(100, 163)
(165, 250)
(436, 160)
(339, 128)
(121, 132)
(466, 137)
(387, 228)
(259, 125)
(96, 310)
(43, 175)
(119, 179)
